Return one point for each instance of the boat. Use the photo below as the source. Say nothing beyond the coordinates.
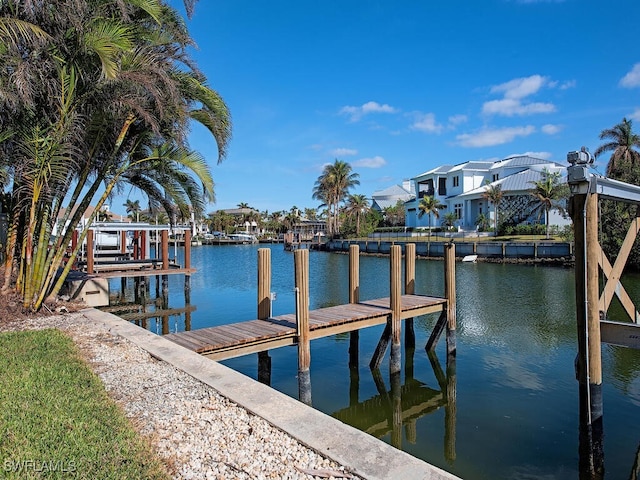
(243, 238)
(470, 258)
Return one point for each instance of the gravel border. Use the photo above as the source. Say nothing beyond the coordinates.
(195, 430)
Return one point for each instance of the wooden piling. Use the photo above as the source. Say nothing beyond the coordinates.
(123, 241)
(187, 249)
(450, 295)
(164, 236)
(264, 309)
(301, 262)
(264, 283)
(90, 251)
(584, 210)
(409, 289)
(354, 297)
(395, 272)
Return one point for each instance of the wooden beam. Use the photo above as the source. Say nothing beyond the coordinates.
(264, 283)
(618, 290)
(409, 289)
(90, 251)
(395, 305)
(301, 261)
(450, 294)
(354, 297)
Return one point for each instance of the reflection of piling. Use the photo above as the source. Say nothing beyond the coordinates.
(450, 411)
(354, 297)
(301, 259)
(264, 309)
(396, 411)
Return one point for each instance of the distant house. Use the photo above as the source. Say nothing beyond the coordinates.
(461, 189)
(390, 196)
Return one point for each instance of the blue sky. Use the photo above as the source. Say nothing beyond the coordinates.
(396, 88)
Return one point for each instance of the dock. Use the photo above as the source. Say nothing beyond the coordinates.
(242, 338)
(268, 332)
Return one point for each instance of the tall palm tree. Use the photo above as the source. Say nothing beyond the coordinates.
(332, 187)
(133, 209)
(624, 144)
(431, 206)
(493, 193)
(357, 206)
(549, 191)
(94, 98)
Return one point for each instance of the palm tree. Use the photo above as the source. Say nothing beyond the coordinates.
(332, 187)
(357, 206)
(431, 206)
(133, 209)
(93, 98)
(624, 144)
(549, 191)
(493, 193)
(449, 219)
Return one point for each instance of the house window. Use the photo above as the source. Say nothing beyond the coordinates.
(456, 181)
(442, 186)
(457, 209)
(495, 177)
(480, 208)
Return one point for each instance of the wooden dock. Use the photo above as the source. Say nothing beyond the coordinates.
(228, 341)
(268, 332)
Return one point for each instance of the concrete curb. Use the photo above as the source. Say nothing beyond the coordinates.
(359, 452)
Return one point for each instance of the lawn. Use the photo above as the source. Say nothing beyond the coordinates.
(56, 419)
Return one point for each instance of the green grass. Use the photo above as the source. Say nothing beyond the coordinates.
(56, 419)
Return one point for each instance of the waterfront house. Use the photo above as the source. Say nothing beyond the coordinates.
(461, 188)
(390, 196)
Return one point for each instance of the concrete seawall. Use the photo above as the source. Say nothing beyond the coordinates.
(489, 250)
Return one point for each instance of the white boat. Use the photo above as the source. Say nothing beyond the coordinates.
(244, 238)
(470, 258)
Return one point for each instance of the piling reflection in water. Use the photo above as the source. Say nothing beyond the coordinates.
(133, 303)
(403, 404)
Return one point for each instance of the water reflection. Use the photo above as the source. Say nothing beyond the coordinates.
(402, 404)
(134, 303)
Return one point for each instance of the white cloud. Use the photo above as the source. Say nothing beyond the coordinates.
(514, 92)
(542, 155)
(550, 129)
(521, 87)
(426, 122)
(343, 152)
(635, 115)
(374, 162)
(457, 119)
(488, 137)
(632, 79)
(510, 107)
(356, 113)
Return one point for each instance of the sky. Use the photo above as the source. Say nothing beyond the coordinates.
(396, 88)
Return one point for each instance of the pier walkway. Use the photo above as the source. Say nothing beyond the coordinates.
(228, 341)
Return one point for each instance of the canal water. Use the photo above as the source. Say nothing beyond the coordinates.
(515, 411)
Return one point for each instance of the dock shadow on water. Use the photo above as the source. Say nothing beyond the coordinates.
(509, 407)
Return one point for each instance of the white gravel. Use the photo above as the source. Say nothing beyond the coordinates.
(199, 433)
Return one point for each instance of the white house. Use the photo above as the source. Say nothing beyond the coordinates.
(390, 196)
(461, 189)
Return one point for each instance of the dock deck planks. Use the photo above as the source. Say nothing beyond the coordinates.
(236, 339)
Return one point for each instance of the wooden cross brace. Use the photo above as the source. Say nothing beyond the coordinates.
(614, 273)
